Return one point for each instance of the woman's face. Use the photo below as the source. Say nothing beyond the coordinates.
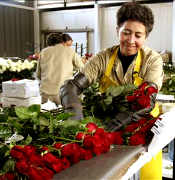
(67, 43)
(132, 35)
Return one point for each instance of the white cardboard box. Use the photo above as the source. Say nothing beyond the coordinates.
(21, 89)
(20, 102)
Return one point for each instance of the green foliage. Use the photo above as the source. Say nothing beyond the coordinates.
(168, 87)
(168, 68)
(107, 104)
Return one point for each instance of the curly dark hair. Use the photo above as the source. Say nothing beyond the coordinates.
(53, 38)
(138, 12)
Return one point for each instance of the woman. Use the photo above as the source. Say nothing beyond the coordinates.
(128, 62)
(55, 66)
(67, 40)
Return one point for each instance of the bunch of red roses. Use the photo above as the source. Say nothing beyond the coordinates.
(140, 98)
(137, 133)
(42, 163)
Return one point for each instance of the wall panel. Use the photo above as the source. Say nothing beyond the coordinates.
(17, 32)
(2, 37)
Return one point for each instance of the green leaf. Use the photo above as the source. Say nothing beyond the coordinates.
(173, 78)
(67, 123)
(35, 120)
(114, 90)
(86, 120)
(170, 81)
(35, 108)
(5, 132)
(51, 126)
(3, 150)
(14, 138)
(15, 123)
(64, 116)
(8, 165)
(28, 140)
(72, 129)
(127, 134)
(44, 122)
(23, 113)
(46, 115)
(129, 88)
(108, 100)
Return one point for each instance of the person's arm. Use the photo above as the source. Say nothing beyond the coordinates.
(69, 95)
(125, 118)
(77, 61)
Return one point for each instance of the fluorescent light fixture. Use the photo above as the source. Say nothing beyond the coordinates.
(21, 1)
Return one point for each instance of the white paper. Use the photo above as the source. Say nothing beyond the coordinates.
(21, 89)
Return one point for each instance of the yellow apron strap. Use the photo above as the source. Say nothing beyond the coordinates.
(105, 81)
(137, 79)
(111, 62)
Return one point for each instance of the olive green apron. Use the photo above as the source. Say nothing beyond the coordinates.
(105, 81)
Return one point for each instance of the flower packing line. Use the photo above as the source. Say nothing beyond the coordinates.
(36, 144)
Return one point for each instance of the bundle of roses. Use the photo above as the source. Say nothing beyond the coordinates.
(117, 99)
(41, 163)
(137, 133)
(140, 98)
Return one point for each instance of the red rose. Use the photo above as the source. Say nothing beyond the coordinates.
(40, 174)
(72, 149)
(131, 128)
(35, 159)
(91, 127)
(131, 98)
(106, 145)
(22, 167)
(152, 122)
(44, 148)
(150, 90)
(118, 138)
(141, 121)
(85, 154)
(80, 136)
(65, 162)
(97, 150)
(53, 162)
(100, 132)
(57, 145)
(144, 102)
(144, 129)
(135, 107)
(137, 139)
(8, 176)
(74, 159)
(29, 150)
(139, 93)
(17, 153)
(143, 85)
(92, 141)
(110, 137)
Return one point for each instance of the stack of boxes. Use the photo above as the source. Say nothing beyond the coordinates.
(22, 93)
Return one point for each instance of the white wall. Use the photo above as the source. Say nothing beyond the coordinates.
(160, 38)
(72, 19)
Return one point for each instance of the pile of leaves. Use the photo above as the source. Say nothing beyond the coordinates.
(168, 87)
(168, 68)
